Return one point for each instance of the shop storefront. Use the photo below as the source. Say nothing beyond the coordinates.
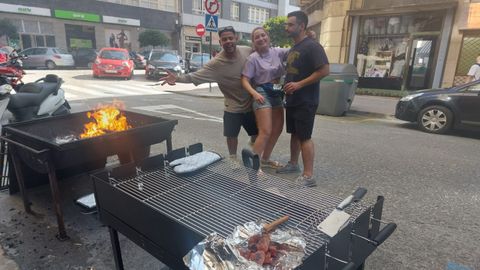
(469, 38)
(401, 48)
(34, 25)
(398, 51)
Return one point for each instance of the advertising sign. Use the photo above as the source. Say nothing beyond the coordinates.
(75, 15)
(117, 38)
(25, 10)
(119, 20)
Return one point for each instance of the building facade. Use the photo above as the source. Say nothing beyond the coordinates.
(89, 23)
(243, 15)
(399, 44)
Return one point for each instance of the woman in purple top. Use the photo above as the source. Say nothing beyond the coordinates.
(261, 77)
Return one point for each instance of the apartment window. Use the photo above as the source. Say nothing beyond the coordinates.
(257, 15)
(197, 7)
(235, 11)
(153, 4)
(167, 5)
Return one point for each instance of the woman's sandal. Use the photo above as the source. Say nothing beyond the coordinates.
(271, 164)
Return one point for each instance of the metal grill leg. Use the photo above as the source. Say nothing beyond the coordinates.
(52, 177)
(117, 253)
(20, 180)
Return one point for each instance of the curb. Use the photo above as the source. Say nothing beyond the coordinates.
(194, 93)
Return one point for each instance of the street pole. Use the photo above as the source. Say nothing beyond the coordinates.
(210, 53)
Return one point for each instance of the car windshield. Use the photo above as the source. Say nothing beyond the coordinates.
(199, 58)
(164, 57)
(115, 55)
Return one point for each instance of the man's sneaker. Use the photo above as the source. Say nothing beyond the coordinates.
(306, 181)
(289, 168)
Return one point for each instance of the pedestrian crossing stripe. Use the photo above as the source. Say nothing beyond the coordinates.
(86, 91)
(211, 23)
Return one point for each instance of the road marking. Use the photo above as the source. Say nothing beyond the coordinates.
(115, 90)
(145, 90)
(172, 110)
(85, 90)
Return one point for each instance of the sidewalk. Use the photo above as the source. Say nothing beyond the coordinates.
(362, 105)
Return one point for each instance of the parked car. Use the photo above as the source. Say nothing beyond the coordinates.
(48, 57)
(113, 62)
(439, 110)
(160, 60)
(197, 60)
(84, 57)
(138, 59)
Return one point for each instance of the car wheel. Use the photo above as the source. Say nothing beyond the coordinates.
(95, 76)
(435, 119)
(50, 65)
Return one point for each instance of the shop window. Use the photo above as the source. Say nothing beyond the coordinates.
(50, 40)
(40, 41)
(26, 41)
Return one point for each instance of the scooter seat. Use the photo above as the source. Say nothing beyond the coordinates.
(33, 96)
(38, 87)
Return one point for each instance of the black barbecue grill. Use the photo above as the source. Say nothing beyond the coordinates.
(50, 144)
(168, 215)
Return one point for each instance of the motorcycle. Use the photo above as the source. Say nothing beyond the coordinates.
(12, 69)
(42, 98)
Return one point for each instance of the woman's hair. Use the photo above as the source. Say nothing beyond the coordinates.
(253, 32)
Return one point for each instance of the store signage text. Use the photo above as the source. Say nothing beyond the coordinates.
(25, 10)
(119, 20)
(74, 15)
(192, 38)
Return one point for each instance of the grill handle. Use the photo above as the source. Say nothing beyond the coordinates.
(250, 159)
(356, 196)
(384, 234)
(349, 266)
(33, 150)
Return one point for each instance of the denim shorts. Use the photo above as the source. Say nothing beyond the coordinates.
(269, 102)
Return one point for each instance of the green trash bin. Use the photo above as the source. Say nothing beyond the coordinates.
(337, 90)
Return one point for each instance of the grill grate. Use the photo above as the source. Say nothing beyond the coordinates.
(227, 194)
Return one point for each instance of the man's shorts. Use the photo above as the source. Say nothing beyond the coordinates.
(300, 121)
(233, 121)
(270, 102)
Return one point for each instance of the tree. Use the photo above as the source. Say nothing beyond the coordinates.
(276, 29)
(153, 38)
(8, 29)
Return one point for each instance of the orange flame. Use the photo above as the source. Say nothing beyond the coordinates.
(106, 119)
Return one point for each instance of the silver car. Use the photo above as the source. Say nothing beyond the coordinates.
(47, 57)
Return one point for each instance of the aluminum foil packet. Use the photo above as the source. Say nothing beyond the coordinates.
(241, 250)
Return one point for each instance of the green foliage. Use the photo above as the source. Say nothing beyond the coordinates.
(7, 28)
(153, 38)
(276, 29)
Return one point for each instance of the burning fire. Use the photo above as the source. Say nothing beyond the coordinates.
(106, 119)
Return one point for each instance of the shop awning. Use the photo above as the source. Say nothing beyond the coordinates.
(402, 9)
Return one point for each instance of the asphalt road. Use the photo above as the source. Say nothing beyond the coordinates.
(430, 184)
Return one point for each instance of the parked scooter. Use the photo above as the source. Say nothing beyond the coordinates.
(13, 70)
(42, 98)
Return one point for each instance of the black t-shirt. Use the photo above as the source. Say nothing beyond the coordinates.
(302, 60)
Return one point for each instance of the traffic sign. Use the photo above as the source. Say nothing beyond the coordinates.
(211, 6)
(200, 29)
(211, 23)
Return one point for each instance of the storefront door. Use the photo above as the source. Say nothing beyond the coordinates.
(421, 63)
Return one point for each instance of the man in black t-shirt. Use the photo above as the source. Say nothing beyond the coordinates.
(307, 64)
